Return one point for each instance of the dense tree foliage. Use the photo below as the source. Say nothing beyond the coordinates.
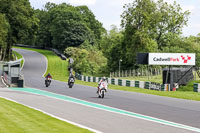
(20, 17)
(150, 27)
(64, 25)
(4, 28)
(87, 60)
(111, 45)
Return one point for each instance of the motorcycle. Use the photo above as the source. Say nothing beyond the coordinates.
(71, 82)
(48, 82)
(102, 89)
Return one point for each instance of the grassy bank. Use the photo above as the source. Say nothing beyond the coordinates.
(157, 79)
(56, 67)
(53, 68)
(16, 118)
(19, 56)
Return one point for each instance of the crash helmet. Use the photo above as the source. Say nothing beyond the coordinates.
(104, 78)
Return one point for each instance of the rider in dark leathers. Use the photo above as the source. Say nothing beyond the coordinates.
(71, 76)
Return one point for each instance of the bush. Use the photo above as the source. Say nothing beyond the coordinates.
(189, 86)
(88, 62)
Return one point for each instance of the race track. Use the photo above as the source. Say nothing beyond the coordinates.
(185, 112)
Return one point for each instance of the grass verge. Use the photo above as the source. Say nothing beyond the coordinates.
(175, 94)
(56, 67)
(157, 79)
(16, 118)
(53, 68)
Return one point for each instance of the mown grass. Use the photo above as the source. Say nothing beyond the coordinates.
(56, 67)
(16, 118)
(157, 79)
(183, 93)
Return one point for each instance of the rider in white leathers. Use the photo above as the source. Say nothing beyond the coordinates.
(101, 81)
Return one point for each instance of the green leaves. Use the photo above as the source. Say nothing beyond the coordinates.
(21, 19)
(66, 25)
(4, 28)
(86, 61)
(150, 26)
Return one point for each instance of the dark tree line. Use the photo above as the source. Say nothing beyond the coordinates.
(55, 26)
(17, 22)
(146, 26)
(65, 25)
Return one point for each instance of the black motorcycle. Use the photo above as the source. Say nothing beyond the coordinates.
(47, 82)
(71, 82)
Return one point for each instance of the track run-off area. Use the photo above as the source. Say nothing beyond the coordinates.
(119, 111)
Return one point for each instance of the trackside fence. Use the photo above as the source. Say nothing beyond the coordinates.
(196, 87)
(128, 83)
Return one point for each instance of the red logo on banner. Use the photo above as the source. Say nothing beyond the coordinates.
(185, 59)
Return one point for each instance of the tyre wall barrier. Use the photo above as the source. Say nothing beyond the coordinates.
(196, 87)
(131, 83)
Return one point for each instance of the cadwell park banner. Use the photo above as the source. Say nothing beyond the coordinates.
(172, 59)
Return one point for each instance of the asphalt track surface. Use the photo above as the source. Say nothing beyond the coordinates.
(185, 112)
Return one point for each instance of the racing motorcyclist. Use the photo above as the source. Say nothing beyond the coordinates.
(102, 80)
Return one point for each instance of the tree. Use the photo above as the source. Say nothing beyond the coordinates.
(111, 47)
(149, 27)
(171, 20)
(20, 16)
(90, 62)
(43, 36)
(68, 28)
(64, 25)
(91, 22)
(4, 28)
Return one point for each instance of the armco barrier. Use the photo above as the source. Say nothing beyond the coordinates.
(132, 83)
